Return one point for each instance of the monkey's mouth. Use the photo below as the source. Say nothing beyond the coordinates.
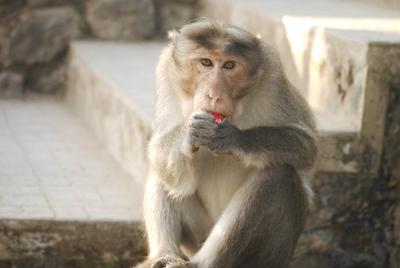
(217, 117)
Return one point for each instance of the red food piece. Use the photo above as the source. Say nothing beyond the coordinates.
(218, 118)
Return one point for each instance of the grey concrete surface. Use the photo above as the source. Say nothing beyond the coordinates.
(51, 167)
(129, 66)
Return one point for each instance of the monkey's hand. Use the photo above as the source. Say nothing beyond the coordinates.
(220, 138)
(171, 262)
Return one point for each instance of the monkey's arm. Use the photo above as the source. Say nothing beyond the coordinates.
(169, 154)
(270, 145)
(259, 146)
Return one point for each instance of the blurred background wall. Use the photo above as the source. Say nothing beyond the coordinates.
(35, 34)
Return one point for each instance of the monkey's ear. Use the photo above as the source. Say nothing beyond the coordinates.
(172, 35)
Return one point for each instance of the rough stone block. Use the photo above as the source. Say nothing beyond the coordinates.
(174, 14)
(121, 19)
(4, 252)
(42, 3)
(11, 84)
(41, 35)
(396, 225)
(395, 258)
(46, 80)
(71, 244)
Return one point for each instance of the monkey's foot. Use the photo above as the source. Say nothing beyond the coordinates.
(185, 265)
(171, 262)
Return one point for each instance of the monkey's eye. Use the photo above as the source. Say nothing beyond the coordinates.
(206, 62)
(229, 65)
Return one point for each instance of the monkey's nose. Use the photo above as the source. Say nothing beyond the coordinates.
(215, 98)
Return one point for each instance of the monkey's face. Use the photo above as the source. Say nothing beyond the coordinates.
(220, 82)
(219, 67)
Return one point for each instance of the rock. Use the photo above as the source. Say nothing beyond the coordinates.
(71, 244)
(121, 19)
(4, 252)
(336, 259)
(47, 80)
(41, 36)
(318, 240)
(336, 197)
(395, 257)
(3, 37)
(174, 14)
(9, 13)
(11, 84)
(396, 225)
(321, 248)
(42, 3)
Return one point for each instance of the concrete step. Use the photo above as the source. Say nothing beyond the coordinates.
(382, 3)
(62, 196)
(111, 85)
(339, 54)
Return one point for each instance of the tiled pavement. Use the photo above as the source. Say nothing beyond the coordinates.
(52, 167)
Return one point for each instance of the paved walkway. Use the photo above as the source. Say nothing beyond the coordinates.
(52, 167)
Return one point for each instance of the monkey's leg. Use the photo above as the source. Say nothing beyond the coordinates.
(196, 224)
(163, 221)
(261, 225)
(168, 221)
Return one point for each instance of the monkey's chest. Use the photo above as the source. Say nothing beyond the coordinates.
(219, 178)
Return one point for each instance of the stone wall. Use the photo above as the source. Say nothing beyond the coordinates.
(49, 244)
(35, 34)
(383, 3)
(33, 42)
(356, 219)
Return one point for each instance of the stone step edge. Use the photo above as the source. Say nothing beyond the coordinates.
(360, 152)
(124, 129)
(38, 243)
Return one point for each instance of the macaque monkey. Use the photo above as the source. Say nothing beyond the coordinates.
(232, 192)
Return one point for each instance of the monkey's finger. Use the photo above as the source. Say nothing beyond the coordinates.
(202, 141)
(227, 131)
(203, 124)
(203, 116)
(222, 134)
(202, 132)
(220, 146)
